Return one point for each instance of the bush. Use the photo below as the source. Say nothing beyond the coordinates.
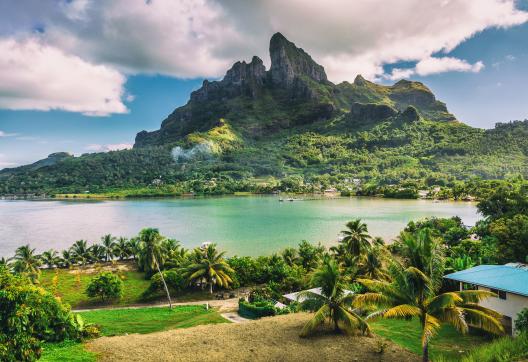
(521, 323)
(105, 285)
(29, 315)
(255, 310)
(175, 282)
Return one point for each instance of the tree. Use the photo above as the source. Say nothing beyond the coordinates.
(333, 304)
(67, 259)
(150, 251)
(96, 253)
(290, 256)
(105, 286)
(512, 238)
(356, 240)
(50, 258)
(134, 247)
(28, 315)
(310, 255)
(209, 266)
(81, 252)
(122, 248)
(521, 323)
(108, 243)
(505, 201)
(412, 293)
(27, 262)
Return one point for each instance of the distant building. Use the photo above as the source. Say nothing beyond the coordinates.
(509, 282)
(294, 297)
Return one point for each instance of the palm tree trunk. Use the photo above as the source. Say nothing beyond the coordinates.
(164, 284)
(211, 287)
(425, 352)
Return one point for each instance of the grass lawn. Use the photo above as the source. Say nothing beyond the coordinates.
(447, 343)
(148, 320)
(72, 285)
(70, 351)
(126, 321)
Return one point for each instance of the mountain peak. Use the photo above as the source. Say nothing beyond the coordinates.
(289, 62)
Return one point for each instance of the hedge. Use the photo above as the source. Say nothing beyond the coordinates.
(255, 310)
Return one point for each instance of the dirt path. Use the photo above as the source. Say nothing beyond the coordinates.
(268, 339)
(223, 305)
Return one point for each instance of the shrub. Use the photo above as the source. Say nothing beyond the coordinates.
(521, 323)
(29, 315)
(105, 286)
(255, 310)
(174, 279)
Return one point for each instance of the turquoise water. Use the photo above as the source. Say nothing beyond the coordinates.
(241, 225)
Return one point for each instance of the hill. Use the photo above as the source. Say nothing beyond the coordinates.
(256, 127)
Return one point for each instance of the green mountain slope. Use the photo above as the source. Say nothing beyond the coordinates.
(257, 124)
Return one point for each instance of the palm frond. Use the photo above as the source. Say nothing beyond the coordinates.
(455, 317)
(483, 320)
(402, 311)
(430, 328)
(445, 300)
(475, 296)
(316, 321)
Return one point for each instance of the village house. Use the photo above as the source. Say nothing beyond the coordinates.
(509, 282)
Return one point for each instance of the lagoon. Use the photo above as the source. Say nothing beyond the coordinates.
(249, 225)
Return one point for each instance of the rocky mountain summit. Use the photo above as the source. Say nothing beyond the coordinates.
(295, 91)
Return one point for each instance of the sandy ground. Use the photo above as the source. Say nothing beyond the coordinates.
(269, 339)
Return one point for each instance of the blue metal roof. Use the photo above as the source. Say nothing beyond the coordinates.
(511, 278)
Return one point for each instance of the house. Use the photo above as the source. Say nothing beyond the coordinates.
(509, 282)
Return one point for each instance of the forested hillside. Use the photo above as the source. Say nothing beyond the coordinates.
(259, 130)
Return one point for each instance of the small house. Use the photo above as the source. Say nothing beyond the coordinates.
(509, 282)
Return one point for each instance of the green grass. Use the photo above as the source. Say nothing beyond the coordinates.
(448, 343)
(113, 322)
(70, 351)
(73, 292)
(147, 320)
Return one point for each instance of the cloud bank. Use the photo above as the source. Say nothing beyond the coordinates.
(112, 39)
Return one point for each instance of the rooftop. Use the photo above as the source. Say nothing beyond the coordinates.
(512, 278)
(294, 296)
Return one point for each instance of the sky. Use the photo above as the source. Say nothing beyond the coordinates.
(86, 75)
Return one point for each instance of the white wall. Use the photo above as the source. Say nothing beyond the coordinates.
(509, 307)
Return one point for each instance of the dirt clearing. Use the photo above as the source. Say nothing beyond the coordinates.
(269, 339)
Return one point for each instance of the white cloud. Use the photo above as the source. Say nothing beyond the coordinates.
(434, 65)
(4, 162)
(109, 147)
(85, 48)
(202, 38)
(6, 134)
(34, 75)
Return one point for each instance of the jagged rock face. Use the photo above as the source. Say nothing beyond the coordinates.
(370, 112)
(289, 62)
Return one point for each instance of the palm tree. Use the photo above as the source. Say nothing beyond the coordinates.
(67, 259)
(122, 248)
(209, 266)
(372, 266)
(97, 253)
(151, 254)
(412, 293)
(108, 243)
(80, 251)
(333, 304)
(50, 258)
(356, 240)
(134, 247)
(290, 256)
(27, 262)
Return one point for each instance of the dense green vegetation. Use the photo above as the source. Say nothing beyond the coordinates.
(261, 131)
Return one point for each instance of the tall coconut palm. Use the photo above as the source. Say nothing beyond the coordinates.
(412, 293)
(67, 258)
(81, 252)
(372, 266)
(134, 247)
(356, 240)
(151, 254)
(209, 266)
(108, 243)
(50, 258)
(122, 248)
(333, 304)
(97, 253)
(27, 262)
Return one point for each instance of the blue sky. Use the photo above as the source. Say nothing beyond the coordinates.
(69, 84)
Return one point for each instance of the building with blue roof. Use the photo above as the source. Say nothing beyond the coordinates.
(509, 282)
